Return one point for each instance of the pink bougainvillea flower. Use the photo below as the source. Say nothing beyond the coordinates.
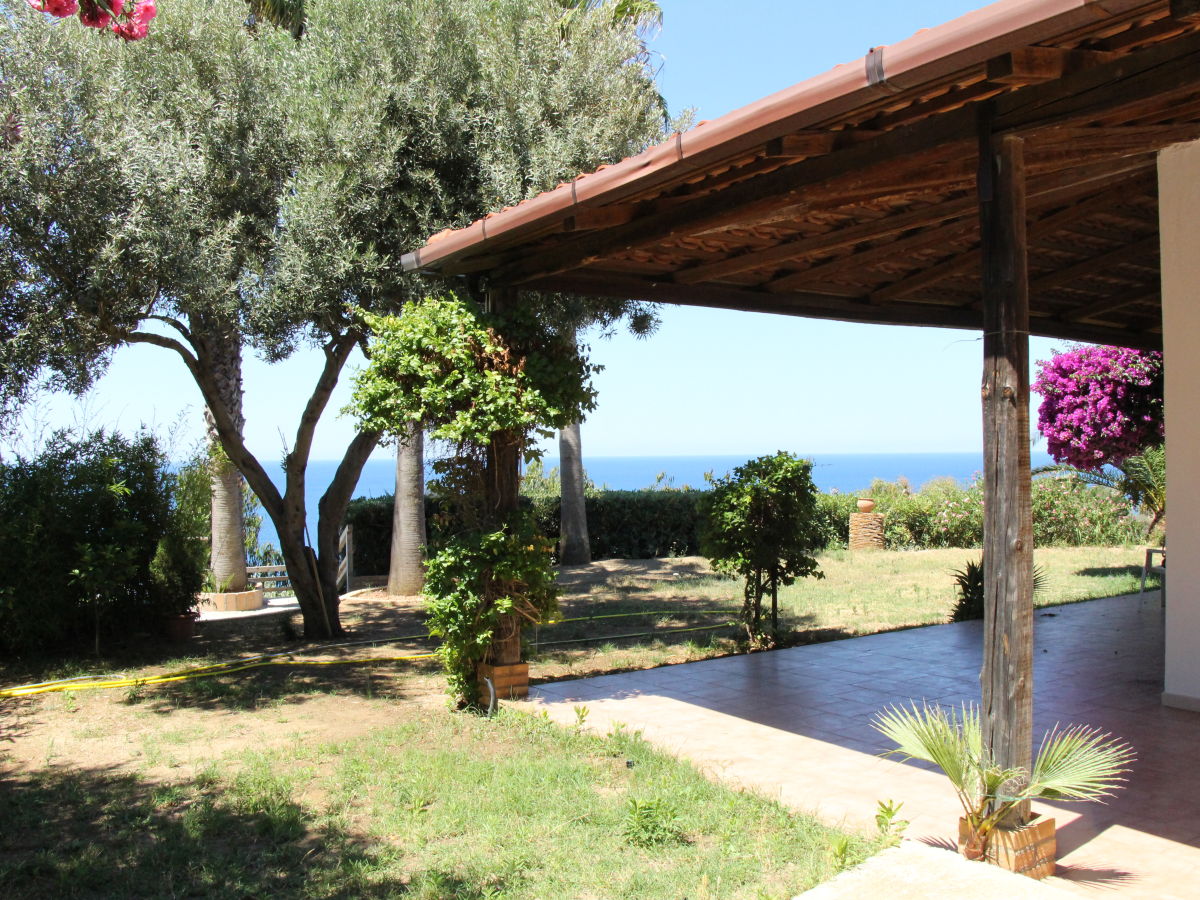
(93, 15)
(1100, 405)
(60, 8)
(136, 25)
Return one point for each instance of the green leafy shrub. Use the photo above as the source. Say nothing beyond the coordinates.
(760, 524)
(94, 543)
(1068, 512)
(473, 581)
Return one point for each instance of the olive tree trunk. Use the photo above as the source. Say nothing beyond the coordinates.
(406, 573)
(573, 546)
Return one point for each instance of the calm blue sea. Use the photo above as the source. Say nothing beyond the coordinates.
(844, 472)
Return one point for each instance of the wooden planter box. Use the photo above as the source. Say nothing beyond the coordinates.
(1030, 850)
(511, 681)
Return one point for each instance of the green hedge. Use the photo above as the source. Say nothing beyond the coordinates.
(650, 523)
(94, 547)
(621, 525)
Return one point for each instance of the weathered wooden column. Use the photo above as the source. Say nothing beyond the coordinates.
(1007, 676)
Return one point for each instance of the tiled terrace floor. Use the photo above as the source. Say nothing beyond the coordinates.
(794, 724)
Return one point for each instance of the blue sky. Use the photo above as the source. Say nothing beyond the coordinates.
(709, 382)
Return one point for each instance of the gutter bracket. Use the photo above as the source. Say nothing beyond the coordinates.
(876, 77)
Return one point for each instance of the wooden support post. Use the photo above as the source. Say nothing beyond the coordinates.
(502, 478)
(1007, 676)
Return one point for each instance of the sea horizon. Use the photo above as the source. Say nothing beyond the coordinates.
(832, 472)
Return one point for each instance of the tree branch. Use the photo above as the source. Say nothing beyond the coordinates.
(337, 351)
(228, 432)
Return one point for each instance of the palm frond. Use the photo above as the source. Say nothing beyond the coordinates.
(1079, 763)
(929, 733)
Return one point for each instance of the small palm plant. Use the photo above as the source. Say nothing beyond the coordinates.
(1074, 763)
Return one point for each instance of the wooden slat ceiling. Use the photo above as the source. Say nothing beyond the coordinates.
(872, 216)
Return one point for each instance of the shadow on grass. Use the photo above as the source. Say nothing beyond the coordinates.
(1110, 572)
(95, 834)
(91, 833)
(275, 686)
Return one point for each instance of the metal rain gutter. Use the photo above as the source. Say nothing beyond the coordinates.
(929, 54)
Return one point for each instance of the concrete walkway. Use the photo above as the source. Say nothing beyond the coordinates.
(795, 725)
(914, 871)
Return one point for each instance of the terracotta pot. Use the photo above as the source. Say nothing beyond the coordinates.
(1029, 850)
(180, 628)
(866, 505)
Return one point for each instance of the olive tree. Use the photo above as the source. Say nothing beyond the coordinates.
(214, 186)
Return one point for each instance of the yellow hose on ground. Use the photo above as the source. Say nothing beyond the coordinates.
(202, 672)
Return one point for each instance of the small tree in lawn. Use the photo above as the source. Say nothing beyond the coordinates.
(761, 523)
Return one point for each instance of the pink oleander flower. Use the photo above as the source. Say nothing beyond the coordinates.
(93, 15)
(136, 25)
(59, 8)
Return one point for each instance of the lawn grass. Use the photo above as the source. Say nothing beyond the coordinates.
(861, 593)
(442, 805)
(357, 781)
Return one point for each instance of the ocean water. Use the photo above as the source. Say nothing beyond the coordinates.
(842, 472)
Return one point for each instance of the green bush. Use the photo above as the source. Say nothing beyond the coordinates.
(93, 544)
(759, 523)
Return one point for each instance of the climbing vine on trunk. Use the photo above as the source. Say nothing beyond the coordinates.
(487, 385)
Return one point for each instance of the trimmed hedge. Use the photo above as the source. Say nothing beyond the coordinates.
(621, 525)
(651, 523)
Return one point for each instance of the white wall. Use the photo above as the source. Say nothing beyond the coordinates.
(1179, 223)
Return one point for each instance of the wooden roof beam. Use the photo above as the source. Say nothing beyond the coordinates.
(816, 143)
(801, 303)
(1116, 138)
(1037, 65)
(820, 306)
(1185, 10)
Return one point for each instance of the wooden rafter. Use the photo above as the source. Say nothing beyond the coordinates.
(968, 260)
(808, 246)
(913, 243)
(1108, 305)
(1138, 251)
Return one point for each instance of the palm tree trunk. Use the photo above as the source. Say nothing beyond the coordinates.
(406, 574)
(573, 546)
(228, 553)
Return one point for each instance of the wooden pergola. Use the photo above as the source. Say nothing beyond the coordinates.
(997, 173)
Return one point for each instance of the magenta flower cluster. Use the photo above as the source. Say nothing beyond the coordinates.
(130, 21)
(1100, 405)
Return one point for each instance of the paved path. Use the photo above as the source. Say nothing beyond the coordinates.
(794, 725)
